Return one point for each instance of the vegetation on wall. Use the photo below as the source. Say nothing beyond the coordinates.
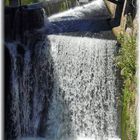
(126, 61)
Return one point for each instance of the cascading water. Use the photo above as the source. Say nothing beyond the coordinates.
(64, 87)
(31, 86)
(84, 98)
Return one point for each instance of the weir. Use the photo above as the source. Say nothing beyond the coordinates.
(63, 83)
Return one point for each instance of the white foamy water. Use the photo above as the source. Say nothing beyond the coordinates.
(92, 10)
(84, 99)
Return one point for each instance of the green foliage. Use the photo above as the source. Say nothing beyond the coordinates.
(23, 2)
(127, 56)
(6, 2)
(126, 61)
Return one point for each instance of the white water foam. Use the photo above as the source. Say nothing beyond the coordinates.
(85, 93)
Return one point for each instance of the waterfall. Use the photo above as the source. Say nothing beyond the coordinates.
(64, 87)
(31, 85)
(84, 98)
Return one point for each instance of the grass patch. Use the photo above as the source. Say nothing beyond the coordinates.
(126, 61)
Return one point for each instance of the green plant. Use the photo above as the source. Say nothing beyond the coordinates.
(126, 61)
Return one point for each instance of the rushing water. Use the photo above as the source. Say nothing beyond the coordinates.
(84, 97)
(31, 85)
(64, 87)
